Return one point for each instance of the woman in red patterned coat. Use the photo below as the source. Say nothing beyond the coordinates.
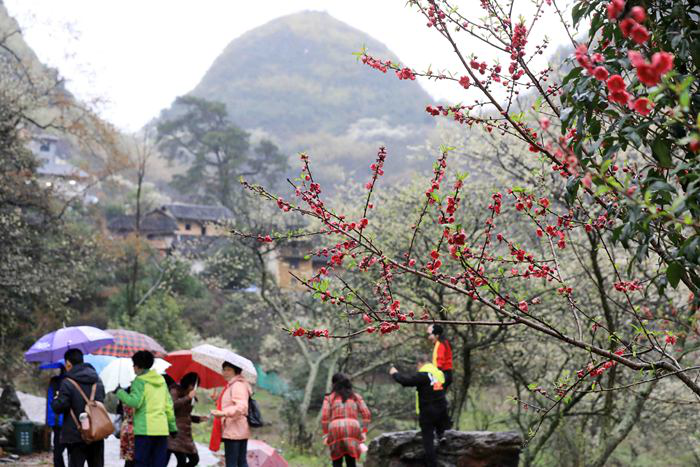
(342, 430)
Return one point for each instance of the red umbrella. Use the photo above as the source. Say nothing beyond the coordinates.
(181, 363)
(261, 454)
(127, 342)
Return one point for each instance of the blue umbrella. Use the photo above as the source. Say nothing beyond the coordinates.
(99, 362)
(52, 346)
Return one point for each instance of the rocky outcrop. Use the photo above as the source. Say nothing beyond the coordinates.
(461, 449)
(10, 406)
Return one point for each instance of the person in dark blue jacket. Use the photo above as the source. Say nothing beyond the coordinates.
(55, 420)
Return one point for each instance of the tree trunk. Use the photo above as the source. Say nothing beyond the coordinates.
(462, 391)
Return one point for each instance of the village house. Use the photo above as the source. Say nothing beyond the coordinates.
(54, 172)
(296, 258)
(173, 225)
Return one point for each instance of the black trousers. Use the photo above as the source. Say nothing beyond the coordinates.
(80, 453)
(448, 378)
(58, 448)
(430, 424)
(151, 451)
(236, 451)
(184, 459)
(349, 461)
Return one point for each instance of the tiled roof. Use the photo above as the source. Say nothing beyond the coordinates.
(198, 212)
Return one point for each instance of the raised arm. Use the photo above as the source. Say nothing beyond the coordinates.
(412, 379)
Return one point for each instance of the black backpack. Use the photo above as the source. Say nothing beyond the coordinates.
(255, 419)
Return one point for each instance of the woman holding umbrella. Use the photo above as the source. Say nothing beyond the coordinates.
(231, 423)
(182, 445)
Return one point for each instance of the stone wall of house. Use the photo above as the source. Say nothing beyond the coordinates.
(299, 267)
(461, 449)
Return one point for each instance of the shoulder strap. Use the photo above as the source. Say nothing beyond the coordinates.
(80, 390)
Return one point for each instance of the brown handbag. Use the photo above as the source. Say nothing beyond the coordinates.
(99, 422)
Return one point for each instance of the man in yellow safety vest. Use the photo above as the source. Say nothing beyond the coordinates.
(431, 404)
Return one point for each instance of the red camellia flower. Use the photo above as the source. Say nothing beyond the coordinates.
(600, 73)
(626, 26)
(639, 34)
(650, 73)
(615, 9)
(464, 81)
(616, 83)
(662, 62)
(643, 106)
(639, 14)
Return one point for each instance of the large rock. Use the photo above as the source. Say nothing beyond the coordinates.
(462, 449)
(10, 405)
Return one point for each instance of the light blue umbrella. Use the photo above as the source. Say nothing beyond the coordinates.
(99, 362)
(52, 346)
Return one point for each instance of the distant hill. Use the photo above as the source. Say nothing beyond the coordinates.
(295, 80)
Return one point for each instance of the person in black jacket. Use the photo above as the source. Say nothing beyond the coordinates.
(68, 398)
(431, 403)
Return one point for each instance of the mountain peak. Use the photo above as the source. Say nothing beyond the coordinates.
(296, 74)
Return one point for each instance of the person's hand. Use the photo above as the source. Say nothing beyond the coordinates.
(217, 413)
(364, 437)
(203, 418)
(191, 394)
(393, 370)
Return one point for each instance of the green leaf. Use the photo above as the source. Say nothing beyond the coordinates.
(673, 274)
(538, 104)
(661, 150)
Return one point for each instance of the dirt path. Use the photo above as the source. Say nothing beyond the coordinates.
(35, 407)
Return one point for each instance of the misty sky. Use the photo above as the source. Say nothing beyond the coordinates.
(136, 56)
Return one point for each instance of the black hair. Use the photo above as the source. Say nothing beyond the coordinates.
(143, 359)
(74, 356)
(342, 386)
(169, 381)
(190, 379)
(236, 369)
(438, 331)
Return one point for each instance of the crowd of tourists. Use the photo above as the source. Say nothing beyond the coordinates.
(156, 418)
(155, 415)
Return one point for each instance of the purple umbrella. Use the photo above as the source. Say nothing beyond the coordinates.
(53, 345)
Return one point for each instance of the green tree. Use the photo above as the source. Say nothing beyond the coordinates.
(161, 318)
(217, 152)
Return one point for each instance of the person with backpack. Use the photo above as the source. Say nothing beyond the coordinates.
(53, 419)
(431, 403)
(231, 422)
(80, 382)
(340, 419)
(154, 418)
